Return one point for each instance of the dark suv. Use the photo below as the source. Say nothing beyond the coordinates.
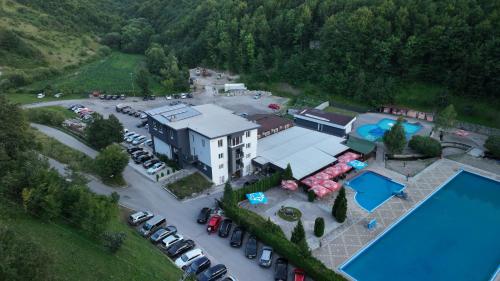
(237, 237)
(213, 273)
(204, 215)
(225, 228)
(281, 270)
(198, 266)
(251, 247)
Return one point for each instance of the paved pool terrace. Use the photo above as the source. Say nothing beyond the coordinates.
(350, 237)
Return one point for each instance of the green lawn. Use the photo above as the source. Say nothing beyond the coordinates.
(114, 74)
(194, 183)
(76, 257)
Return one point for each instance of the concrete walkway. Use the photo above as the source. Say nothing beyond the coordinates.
(142, 194)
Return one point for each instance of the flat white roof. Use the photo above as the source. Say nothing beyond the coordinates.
(306, 151)
(209, 120)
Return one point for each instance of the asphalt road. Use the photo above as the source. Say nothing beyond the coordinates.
(142, 194)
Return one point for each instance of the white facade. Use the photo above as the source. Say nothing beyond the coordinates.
(249, 151)
(200, 147)
(220, 163)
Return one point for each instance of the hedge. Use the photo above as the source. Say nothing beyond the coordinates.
(426, 145)
(271, 234)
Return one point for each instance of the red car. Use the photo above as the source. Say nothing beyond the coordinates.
(299, 275)
(213, 223)
(274, 106)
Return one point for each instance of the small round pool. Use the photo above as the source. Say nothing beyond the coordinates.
(375, 132)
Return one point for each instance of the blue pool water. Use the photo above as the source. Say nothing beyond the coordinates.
(453, 235)
(373, 189)
(374, 132)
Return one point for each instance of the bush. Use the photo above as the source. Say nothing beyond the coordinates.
(339, 208)
(492, 144)
(110, 164)
(311, 196)
(113, 241)
(46, 116)
(426, 146)
(319, 227)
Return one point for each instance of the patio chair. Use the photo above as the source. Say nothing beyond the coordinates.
(403, 195)
(371, 224)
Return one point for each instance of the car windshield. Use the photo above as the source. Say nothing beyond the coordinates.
(184, 258)
(147, 226)
(266, 255)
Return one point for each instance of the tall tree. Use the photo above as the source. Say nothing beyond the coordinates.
(110, 163)
(288, 174)
(298, 233)
(142, 81)
(395, 138)
(155, 58)
(339, 208)
(103, 132)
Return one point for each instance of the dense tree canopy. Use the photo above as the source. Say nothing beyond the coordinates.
(355, 48)
(103, 132)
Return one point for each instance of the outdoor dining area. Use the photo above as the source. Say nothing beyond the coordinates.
(325, 182)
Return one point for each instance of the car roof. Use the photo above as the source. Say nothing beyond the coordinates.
(193, 252)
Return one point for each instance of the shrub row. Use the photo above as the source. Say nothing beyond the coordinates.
(426, 146)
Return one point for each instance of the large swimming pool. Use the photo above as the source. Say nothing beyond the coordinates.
(452, 235)
(373, 189)
(375, 132)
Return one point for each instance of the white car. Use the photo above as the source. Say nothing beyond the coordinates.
(156, 168)
(40, 95)
(139, 140)
(132, 137)
(143, 116)
(171, 240)
(183, 96)
(186, 259)
(168, 97)
(58, 95)
(128, 134)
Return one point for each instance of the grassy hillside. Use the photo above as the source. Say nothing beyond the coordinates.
(75, 257)
(39, 38)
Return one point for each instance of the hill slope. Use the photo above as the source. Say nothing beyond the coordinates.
(39, 38)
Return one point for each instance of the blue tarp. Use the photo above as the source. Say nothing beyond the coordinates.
(257, 198)
(356, 164)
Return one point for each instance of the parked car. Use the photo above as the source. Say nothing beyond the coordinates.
(177, 96)
(250, 182)
(299, 275)
(102, 97)
(257, 96)
(213, 273)
(183, 96)
(204, 215)
(187, 258)
(143, 158)
(126, 109)
(131, 112)
(138, 153)
(251, 247)
(281, 270)
(180, 248)
(225, 228)
(107, 97)
(143, 116)
(40, 95)
(139, 217)
(148, 164)
(133, 137)
(152, 225)
(156, 168)
(142, 124)
(152, 97)
(189, 96)
(128, 134)
(198, 266)
(237, 237)
(266, 256)
(139, 140)
(213, 223)
(148, 143)
(168, 97)
(163, 233)
(134, 149)
(138, 113)
(122, 96)
(274, 106)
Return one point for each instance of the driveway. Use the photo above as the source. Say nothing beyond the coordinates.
(142, 194)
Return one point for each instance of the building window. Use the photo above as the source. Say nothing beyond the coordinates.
(237, 140)
(203, 143)
(248, 145)
(247, 134)
(248, 155)
(221, 166)
(221, 155)
(220, 143)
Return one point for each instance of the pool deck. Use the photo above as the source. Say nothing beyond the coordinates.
(347, 239)
(373, 118)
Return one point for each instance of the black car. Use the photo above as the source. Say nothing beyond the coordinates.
(138, 113)
(198, 266)
(213, 273)
(237, 237)
(225, 228)
(132, 112)
(180, 248)
(148, 164)
(142, 159)
(152, 97)
(177, 96)
(189, 95)
(281, 270)
(114, 97)
(133, 149)
(250, 182)
(102, 97)
(108, 97)
(137, 154)
(204, 215)
(251, 247)
(126, 109)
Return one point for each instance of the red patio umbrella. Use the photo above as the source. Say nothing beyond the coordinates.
(343, 167)
(310, 181)
(289, 184)
(333, 186)
(333, 171)
(320, 191)
(322, 176)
